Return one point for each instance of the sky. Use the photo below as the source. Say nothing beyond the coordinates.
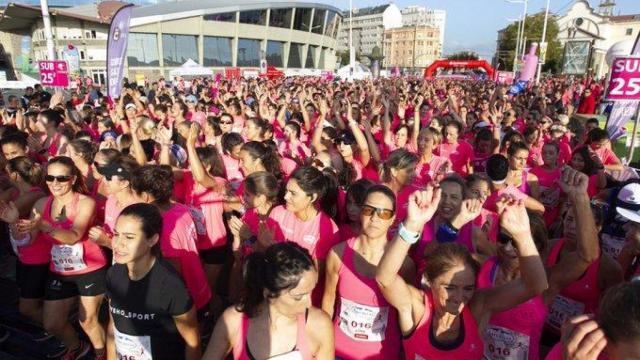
(473, 24)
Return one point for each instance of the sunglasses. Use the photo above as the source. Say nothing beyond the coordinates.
(59, 178)
(226, 122)
(504, 239)
(384, 214)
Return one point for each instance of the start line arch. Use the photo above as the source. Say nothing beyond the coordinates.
(450, 64)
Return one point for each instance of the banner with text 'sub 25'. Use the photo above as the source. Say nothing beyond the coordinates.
(117, 50)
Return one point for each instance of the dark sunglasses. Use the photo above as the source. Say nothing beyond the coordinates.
(384, 214)
(60, 178)
(504, 239)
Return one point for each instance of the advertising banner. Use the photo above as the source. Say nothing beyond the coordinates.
(54, 73)
(622, 111)
(117, 50)
(71, 54)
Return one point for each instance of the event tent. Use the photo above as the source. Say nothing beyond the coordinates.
(359, 72)
(190, 68)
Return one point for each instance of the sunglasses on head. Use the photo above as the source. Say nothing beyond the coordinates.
(504, 239)
(384, 214)
(59, 178)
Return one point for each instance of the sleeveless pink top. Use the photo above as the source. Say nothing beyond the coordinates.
(206, 207)
(241, 349)
(549, 192)
(513, 333)
(80, 258)
(365, 324)
(38, 252)
(420, 344)
(581, 297)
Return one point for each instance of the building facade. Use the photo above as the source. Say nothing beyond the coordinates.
(369, 25)
(421, 16)
(216, 34)
(598, 30)
(414, 47)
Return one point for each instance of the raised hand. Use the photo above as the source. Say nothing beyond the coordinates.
(573, 183)
(9, 212)
(98, 235)
(422, 204)
(582, 339)
(513, 216)
(192, 137)
(469, 210)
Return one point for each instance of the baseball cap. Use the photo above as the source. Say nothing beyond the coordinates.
(130, 106)
(628, 204)
(191, 99)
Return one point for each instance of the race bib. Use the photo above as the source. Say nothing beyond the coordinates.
(549, 197)
(292, 355)
(131, 347)
(562, 309)
(363, 323)
(198, 220)
(505, 344)
(68, 258)
(612, 245)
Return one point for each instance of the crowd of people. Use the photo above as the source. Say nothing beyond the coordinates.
(300, 218)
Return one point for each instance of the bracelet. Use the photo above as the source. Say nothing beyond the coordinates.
(408, 236)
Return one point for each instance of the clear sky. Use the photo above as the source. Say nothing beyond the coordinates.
(473, 24)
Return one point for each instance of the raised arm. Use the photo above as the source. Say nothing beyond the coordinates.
(198, 170)
(533, 279)
(187, 326)
(404, 297)
(365, 156)
(331, 280)
(573, 265)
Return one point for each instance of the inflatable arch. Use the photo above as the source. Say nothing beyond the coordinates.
(448, 64)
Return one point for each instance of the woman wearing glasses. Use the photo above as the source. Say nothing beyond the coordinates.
(78, 266)
(365, 325)
(525, 321)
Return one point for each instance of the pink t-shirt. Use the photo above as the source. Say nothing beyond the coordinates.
(288, 166)
(607, 156)
(488, 221)
(317, 235)
(425, 172)
(297, 151)
(178, 241)
(206, 207)
(460, 155)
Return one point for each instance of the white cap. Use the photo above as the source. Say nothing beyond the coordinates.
(628, 205)
(563, 119)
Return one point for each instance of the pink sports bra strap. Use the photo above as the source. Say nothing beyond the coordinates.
(301, 337)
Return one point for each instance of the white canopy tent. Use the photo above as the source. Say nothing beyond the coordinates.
(190, 68)
(359, 72)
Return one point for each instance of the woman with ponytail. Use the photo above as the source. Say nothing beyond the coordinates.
(275, 317)
(82, 153)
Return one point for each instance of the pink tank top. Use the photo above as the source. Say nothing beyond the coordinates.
(38, 252)
(513, 333)
(241, 349)
(365, 325)
(80, 258)
(420, 344)
(581, 297)
(549, 192)
(524, 185)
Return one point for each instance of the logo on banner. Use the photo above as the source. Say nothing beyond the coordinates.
(54, 73)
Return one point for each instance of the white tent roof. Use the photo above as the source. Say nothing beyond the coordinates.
(190, 68)
(359, 72)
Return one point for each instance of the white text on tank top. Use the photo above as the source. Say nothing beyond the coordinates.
(362, 322)
(505, 344)
(68, 258)
(132, 347)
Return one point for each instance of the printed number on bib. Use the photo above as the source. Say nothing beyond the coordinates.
(562, 309)
(198, 219)
(505, 344)
(363, 323)
(293, 355)
(131, 347)
(612, 245)
(68, 258)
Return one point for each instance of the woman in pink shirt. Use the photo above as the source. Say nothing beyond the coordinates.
(533, 139)
(398, 172)
(205, 195)
(519, 175)
(365, 325)
(586, 162)
(78, 266)
(598, 142)
(231, 144)
(178, 242)
(548, 176)
(292, 147)
(16, 202)
(459, 152)
(354, 198)
(430, 166)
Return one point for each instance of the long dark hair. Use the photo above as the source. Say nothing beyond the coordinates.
(267, 156)
(150, 221)
(313, 181)
(267, 274)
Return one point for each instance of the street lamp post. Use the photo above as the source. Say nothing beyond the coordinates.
(44, 7)
(542, 43)
(520, 42)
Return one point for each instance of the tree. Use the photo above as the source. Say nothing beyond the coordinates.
(343, 56)
(532, 33)
(463, 55)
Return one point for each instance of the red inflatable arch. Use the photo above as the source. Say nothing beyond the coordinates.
(448, 64)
